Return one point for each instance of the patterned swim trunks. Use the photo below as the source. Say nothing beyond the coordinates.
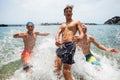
(66, 52)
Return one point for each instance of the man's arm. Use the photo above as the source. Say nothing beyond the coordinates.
(19, 35)
(81, 33)
(102, 47)
(79, 26)
(42, 33)
(57, 37)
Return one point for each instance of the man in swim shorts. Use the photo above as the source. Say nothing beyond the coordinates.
(29, 39)
(84, 44)
(66, 50)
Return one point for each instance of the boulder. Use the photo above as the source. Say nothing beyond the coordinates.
(114, 20)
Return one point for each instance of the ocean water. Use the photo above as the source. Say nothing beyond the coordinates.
(44, 54)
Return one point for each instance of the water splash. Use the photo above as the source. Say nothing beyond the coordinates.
(43, 65)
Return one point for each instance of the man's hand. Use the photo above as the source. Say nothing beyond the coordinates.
(113, 51)
(76, 39)
(58, 43)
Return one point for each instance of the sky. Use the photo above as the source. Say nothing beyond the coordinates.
(41, 11)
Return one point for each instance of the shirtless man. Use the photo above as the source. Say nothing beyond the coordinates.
(29, 39)
(66, 49)
(84, 44)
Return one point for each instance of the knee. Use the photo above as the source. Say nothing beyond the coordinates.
(66, 71)
(57, 60)
(58, 63)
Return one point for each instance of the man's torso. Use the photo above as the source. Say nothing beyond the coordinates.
(84, 44)
(29, 41)
(68, 31)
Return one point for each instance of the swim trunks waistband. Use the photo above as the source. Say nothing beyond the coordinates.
(88, 57)
(26, 51)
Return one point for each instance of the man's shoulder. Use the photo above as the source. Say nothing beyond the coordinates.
(36, 32)
(62, 25)
(90, 37)
(76, 21)
(23, 33)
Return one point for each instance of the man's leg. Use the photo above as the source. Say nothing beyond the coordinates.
(25, 58)
(66, 72)
(58, 65)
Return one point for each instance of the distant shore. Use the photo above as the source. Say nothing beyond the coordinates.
(61, 23)
(6, 25)
(113, 21)
(45, 24)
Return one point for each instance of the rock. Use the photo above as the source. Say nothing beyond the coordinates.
(114, 20)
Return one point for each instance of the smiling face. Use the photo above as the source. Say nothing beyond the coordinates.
(84, 28)
(68, 12)
(30, 27)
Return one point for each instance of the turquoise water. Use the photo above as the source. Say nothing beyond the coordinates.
(44, 53)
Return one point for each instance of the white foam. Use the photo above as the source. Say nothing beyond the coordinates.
(43, 65)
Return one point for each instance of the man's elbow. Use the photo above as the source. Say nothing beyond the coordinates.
(15, 35)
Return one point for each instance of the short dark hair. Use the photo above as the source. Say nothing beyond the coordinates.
(68, 6)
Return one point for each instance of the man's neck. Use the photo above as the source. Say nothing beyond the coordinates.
(85, 35)
(30, 32)
(68, 20)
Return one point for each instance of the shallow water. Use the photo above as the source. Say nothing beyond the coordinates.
(44, 54)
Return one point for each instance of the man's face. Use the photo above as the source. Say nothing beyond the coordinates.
(68, 13)
(84, 29)
(30, 27)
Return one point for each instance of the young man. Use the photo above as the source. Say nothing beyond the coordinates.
(84, 44)
(29, 39)
(66, 49)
